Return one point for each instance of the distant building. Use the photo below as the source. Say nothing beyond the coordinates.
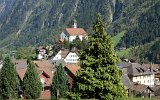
(140, 74)
(41, 53)
(68, 56)
(71, 33)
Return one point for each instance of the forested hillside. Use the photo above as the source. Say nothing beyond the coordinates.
(32, 22)
(38, 21)
(148, 53)
(141, 20)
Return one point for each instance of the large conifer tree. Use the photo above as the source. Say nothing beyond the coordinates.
(31, 82)
(8, 80)
(59, 83)
(99, 78)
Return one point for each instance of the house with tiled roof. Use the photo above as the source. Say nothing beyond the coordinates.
(45, 70)
(41, 53)
(71, 70)
(71, 33)
(68, 56)
(140, 90)
(141, 74)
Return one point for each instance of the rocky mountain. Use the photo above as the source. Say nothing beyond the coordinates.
(32, 22)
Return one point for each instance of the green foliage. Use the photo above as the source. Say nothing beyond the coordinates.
(146, 53)
(116, 39)
(24, 52)
(72, 96)
(99, 78)
(8, 80)
(124, 53)
(59, 83)
(140, 19)
(31, 82)
(136, 99)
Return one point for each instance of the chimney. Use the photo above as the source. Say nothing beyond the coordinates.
(75, 24)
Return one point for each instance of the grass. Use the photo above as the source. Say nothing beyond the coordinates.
(124, 53)
(116, 39)
(137, 99)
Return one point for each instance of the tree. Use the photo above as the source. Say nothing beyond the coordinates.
(31, 82)
(8, 80)
(99, 76)
(59, 83)
(24, 52)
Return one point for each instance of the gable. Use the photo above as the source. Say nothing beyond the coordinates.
(72, 56)
(58, 56)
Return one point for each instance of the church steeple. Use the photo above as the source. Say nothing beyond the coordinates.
(75, 24)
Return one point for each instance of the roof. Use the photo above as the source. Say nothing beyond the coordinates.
(76, 31)
(21, 72)
(73, 68)
(46, 68)
(154, 67)
(64, 52)
(126, 81)
(123, 64)
(43, 63)
(20, 63)
(136, 69)
(139, 87)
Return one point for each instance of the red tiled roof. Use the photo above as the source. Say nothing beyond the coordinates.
(76, 31)
(46, 68)
(73, 68)
(43, 63)
(21, 72)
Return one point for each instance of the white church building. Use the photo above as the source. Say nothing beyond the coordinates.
(71, 33)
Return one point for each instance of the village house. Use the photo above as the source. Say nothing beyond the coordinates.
(141, 74)
(71, 33)
(140, 90)
(71, 70)
(41, 53)
(155, 70)
(45, 71)
(68, 56)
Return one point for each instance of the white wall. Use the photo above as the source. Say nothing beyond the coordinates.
(145, 79)
(71, 38)
(63, 36)
(58, 56)
(71, 58)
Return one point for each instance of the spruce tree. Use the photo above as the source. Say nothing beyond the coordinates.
(8, 80)
(31, 82)
(99, 77)
(59, 83)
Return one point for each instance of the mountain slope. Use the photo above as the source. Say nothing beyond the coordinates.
(32, 22)
(37, 21)
(141, 19)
